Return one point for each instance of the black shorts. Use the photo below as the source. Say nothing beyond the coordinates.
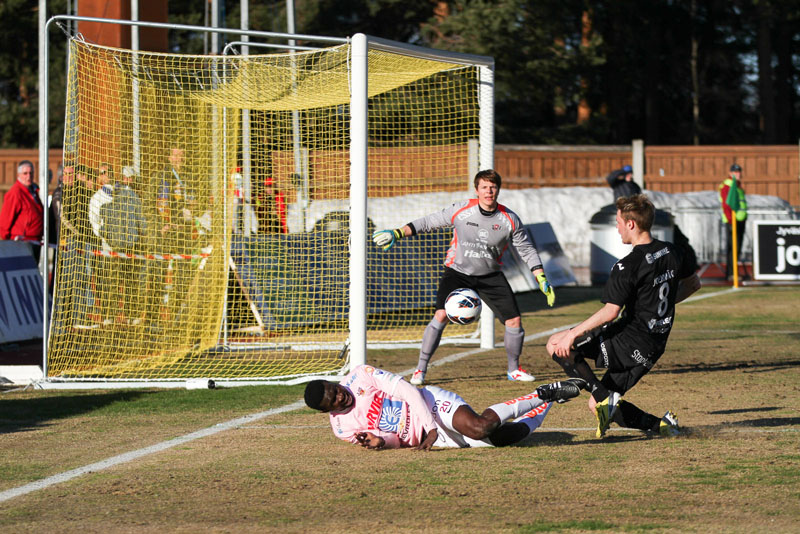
(493, 289)
(625, 363)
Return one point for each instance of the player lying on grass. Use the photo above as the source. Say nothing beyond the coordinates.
(646, 284)
(379, 410)
(482, 231)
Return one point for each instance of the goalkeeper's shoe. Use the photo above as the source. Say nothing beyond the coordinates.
(669, 425)
(521, 375)
(418, 378)
(562, 391)
(604, 411)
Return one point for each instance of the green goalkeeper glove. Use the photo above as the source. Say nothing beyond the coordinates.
(546, 288)
(387, 238)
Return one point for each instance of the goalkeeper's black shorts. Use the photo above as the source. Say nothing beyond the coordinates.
(493, 289)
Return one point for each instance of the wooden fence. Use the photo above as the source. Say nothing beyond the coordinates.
(767, 170)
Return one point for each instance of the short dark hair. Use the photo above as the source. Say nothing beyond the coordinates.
(81, 168)
(315, 391)
(490, 175)
(736, 167)
(639, 209)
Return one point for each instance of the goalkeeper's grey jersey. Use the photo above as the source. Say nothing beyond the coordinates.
(479, 239)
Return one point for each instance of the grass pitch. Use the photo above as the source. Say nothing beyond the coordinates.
(731, 372)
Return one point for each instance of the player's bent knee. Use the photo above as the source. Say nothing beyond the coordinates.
(481, 429)
(475, 426)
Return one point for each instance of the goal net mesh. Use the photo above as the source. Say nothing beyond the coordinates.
(205, 221)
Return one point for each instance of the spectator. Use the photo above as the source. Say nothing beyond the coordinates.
(271, 209)
(124, 226)
(176, 230)
(55, 208)
(22, 213)
(70, 207)
(621, 182)
(734, 180)
(103, 266)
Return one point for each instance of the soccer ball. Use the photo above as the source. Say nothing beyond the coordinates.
(462, 306)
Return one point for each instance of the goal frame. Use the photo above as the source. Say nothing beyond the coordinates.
(360, 44)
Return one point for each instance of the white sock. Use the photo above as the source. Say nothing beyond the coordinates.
(511, 409)
(535, 417)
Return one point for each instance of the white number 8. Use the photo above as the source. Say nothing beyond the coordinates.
(663, 291)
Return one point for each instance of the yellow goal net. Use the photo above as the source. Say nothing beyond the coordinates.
(206, 209)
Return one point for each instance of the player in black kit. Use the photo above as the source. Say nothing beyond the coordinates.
(645, 285)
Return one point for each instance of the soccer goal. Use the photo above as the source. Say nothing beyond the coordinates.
(218, 209)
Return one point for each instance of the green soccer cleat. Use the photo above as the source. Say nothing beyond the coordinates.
(604, 411)
(669, 425)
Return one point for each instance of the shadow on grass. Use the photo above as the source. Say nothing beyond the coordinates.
(749, 366)
(767, 422)
(532, 301)
(545, 437)
(23, 415)
(745, 410)
(778, 424)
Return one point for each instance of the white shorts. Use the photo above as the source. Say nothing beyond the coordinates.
(443, 405)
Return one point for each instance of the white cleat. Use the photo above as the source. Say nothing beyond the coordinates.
(521, 375)
(418, 378)
(669, 425)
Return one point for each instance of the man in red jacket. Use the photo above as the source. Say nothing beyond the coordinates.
(22, 214)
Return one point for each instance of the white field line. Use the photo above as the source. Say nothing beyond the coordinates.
(133, 455)
(240, 421)
(553, 429)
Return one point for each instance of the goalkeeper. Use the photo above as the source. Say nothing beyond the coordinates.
(379, 410)
(482, 230)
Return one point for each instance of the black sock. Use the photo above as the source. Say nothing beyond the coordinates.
(580, 369)
(634, 417)
(509, 433)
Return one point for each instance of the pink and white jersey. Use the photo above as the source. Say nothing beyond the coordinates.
(479, 239)
(385, 405)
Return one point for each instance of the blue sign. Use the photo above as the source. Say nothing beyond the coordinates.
(21, 297)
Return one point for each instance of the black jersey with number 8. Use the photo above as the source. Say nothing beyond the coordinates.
(645, 283)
